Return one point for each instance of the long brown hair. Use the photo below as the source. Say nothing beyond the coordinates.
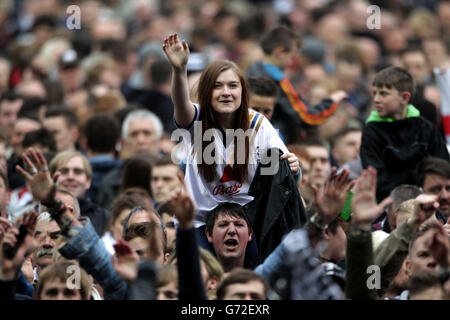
(208, 118)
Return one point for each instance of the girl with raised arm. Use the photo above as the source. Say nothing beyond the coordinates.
(220, 167)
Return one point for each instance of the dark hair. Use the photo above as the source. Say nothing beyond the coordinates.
(431, 165)
(226, 208)
(403, 193)
(312, 142)
(279, 36)
(40, 136)
(333, 226)
(343, 133)
(102, 133)
(137, 172)
(262, 86)
(134, 230)
(49, 21)
(424, 228)
(70, 117)
(413, 48)
(31, 105)
(123, 202)
(160, 72)
(208, 120)
(10, 96)
(395, 77)
(163, 161)
(164, 207)
(239, 275)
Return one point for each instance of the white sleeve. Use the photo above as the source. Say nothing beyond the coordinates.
(271, 136)
(443, 82)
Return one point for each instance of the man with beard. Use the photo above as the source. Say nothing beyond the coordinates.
(433, 176)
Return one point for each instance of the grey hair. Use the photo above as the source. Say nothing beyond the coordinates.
(45, 217)
(142, 114)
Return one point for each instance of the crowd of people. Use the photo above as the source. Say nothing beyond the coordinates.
(224, 150)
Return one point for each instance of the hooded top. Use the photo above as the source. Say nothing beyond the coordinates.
(395, 147)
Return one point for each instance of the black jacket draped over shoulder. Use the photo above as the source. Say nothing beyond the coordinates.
(277, 207)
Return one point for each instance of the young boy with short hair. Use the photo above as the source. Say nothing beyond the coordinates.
(280, 46)
(396, 137)
(263, 95)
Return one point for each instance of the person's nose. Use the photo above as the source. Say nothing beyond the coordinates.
(231, 229)
(48, 242)
(444, 194)
(226, 91)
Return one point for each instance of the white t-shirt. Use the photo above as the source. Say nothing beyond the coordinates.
(206, 196)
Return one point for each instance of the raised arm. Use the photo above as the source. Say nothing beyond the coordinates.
(178, 54)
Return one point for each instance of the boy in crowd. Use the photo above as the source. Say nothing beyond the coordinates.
(263, 95)
(396, 137)
(280, 46)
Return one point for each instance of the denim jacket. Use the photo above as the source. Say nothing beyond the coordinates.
(89, 250)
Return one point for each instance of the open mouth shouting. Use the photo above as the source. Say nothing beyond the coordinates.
(231, 244)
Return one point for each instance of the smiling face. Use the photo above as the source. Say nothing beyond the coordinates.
(73, 177)
(227, 93)
(230, 236)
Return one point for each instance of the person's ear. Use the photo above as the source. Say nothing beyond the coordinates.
(250, 235)
(406, 96)
(325, 234)
(166, 257)
(75, 134)
(89, 181)
(408, 267)
(208, 236)
(212, 283)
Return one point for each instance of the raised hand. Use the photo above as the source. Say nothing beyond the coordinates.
(425, 206)
(10, 265)
(440, 245)
(338, 96)
(42, 185)
(177, 51)
(329, 202)
(125, 261)
(364, 206)
(183, 209)
(446, 227)
(5, 224)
